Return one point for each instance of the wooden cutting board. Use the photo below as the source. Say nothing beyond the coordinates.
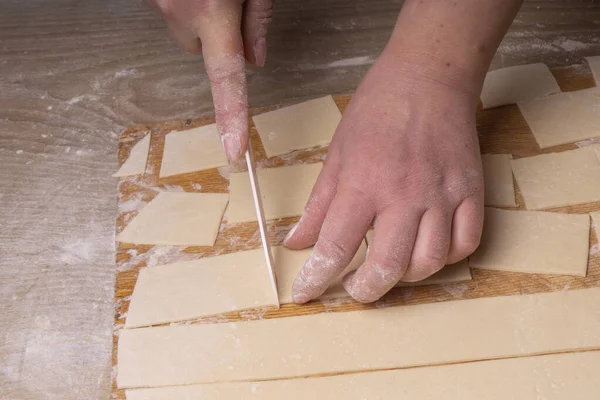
(501, 130)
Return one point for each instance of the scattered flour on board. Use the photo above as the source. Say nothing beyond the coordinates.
(571, 45)
(351, 62)
(455, 289)
(133, 204)
(157, 255)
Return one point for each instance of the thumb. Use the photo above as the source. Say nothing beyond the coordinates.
(257, 17)
(223, 49)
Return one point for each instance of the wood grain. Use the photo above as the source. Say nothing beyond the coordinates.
(74, 74)
(502, 130)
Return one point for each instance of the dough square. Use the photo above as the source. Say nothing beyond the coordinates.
(207, 286)
(559, 179)
(458, 272)
(284, 190)
(178, 219)
(513, 84)
(192, 150)
(594, 63)
(135, 164)
(563, 118)
(533, 242)
(498, 178)
(300, 126)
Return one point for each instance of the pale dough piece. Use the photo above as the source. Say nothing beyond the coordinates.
(498, 178)
(533, 242)
(594, 63)
(563, 118)
(512, 84)
(192, 150)
(559, 179)
(207, 286)
(284, 190)
(394, 337)
(300, 126)
(596, 218)
(137, 159)
(214, 285)
(179, 219)
(550, 377)
(458, 272)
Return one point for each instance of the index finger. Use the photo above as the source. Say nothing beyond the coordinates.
(219, 29)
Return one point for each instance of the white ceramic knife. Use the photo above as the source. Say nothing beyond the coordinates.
(262, 224)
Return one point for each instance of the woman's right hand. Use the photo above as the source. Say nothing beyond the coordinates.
(226, 33)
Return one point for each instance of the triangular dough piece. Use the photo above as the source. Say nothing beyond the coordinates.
(136, 162)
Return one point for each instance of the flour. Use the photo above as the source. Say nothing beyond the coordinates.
(352, 62)
(135, 203)
(456, 290)
(157, 255)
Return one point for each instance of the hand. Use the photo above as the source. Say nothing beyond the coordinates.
(406, 157)
(226, 32)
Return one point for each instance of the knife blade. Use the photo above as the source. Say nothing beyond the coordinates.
(262, 225)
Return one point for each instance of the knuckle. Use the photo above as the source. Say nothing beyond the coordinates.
(429, 262)
(333, 248)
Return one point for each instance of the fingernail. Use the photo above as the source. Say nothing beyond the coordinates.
(260, 51)
(301, 298)
(291, 233)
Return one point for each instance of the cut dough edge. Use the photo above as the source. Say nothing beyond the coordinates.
(552, 377)
(267, 349)
(136, 161)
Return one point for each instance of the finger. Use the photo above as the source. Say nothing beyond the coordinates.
(257, 17)
(388, 256)
(223, 49)
(431, 245)
(188, 40)
(344, 228)
(306, 232)
(466, 229)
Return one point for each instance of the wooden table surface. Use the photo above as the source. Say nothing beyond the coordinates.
(74, 75)
(501, 130)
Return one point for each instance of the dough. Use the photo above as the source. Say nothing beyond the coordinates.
(498, 178)
(179, 219)
(512, 84)
(594, 63)
(559, 179)
(192, 150)
(137, 159)
(596, 219)
(300, 126)
(284, 190)
(394, 337)
(549, 377)
(458, 272)
(237, 281)
(207, 286)
(533, 242)
(563, 118)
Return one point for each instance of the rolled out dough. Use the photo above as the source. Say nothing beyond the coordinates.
(395, 337)
(137, 159)
(571, 376)
(533, 242)
(512, 84)
(300, 126)
(563, 118)
(458, 272)
(179, 219)
(559, 179)
(284, 190)
(594, 63)
(192, 150)
(207, 286)
(498, 178)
